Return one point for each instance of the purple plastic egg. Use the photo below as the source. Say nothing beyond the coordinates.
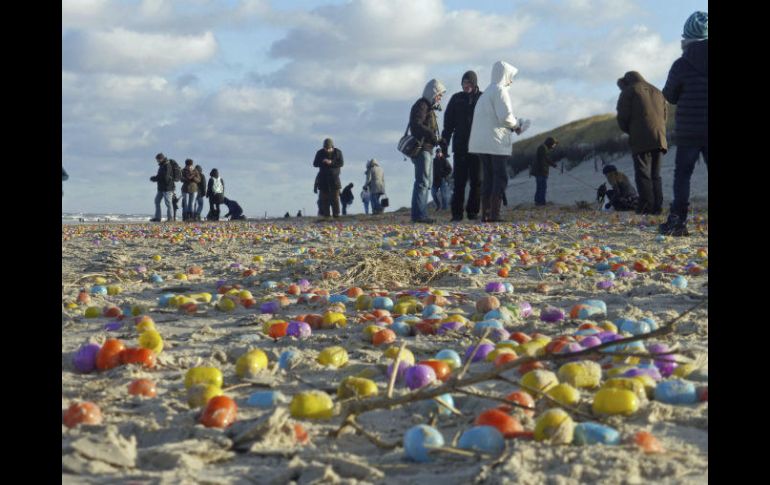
(449, 327)
(499, 334)
(605, 284)
(298, 329)
(591, 341)
(419, 376)
(481, 354)
(551, 314)
(625, 274)
(526, 309)
(84, 359)
(303, 284)
(646, 371)
(402, 367)
(495, 287)
(270, 307)
(571, 347)
(112, 326)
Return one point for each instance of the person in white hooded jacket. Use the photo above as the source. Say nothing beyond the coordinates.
(375, 183)
(492, 138)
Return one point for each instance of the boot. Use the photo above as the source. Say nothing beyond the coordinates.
(676, 225)
(484, 209)
(495, 204)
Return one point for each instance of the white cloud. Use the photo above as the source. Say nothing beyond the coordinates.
(124, 51)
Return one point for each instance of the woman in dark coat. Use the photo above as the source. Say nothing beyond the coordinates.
(329, 160)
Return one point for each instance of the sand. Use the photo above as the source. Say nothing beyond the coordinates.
(158, 440)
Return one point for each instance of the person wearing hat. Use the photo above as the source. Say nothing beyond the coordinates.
(375, 185)
(492, 138)
(329, 161)
(541, 167)
(424, 126)
(687, 87)
(458, 119)
(642, 114)
(622, 196)
(165, 180)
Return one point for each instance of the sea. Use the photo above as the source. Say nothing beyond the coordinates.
(91, 217)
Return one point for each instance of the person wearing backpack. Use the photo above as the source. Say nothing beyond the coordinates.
(190, 181)
(346, 198)
(165, 181)
(201, 193)
(216, 194)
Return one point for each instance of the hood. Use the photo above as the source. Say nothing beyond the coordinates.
(630, 78)
(697, 55)
(371, 163)
(433, 88)
(472, 77)
(503, 73)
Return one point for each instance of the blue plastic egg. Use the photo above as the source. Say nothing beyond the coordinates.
(590, 433)
(676, 391)
(417, 438)
(449, 354)
(401, 328)
(98, 290)
(679, 282)
(484, 439)
(382, 303)
(265, 399)
(156, 278)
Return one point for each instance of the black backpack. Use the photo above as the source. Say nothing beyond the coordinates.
(177, 170)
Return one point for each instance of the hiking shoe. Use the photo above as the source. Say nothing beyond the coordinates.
(472, 217)
(154, 219)
(427, 220)
(457, 219)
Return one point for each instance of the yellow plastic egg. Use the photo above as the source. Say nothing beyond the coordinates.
(114, 290)
(210, 376)
(555, 426)
(564, 394)
(629, 384)
(334, 356)
(583, 374)
(363, 302)
(201, 297)
(334, 319)
(539, 380)
(615, 401)
(370, 330)
(156, 257)
(356, 387)
(180, 276)
(250, 363)
(145, 324)
(100, 280)
(684, 370)
(151, 339)
(200, 394)
(93, 312)
(226, 305)
(312, 405)
(406, 355)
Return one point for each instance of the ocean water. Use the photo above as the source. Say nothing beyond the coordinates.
(88, 217)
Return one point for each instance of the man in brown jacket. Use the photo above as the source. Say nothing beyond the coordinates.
(642, 114)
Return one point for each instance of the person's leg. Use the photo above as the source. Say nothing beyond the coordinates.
(486, 187)
(539, 190)
(344, 209)
(445, 195)
(167, 196)
(643, 178)
(499, 184)
(686, 158)
(335, 201)
(460, 172)
(376, 206)
(474, 176)
(325, 201)
(657, 182)
(423, 166)
(435, 193)
(366, 207)
(198, 206)
(158, 197)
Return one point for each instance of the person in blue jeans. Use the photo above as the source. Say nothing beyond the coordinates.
(442, 169)
(540, 169)
(687, 86)
(165, 180)
(365, 199)
(424, 126)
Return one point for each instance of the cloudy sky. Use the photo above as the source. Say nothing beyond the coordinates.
(252, 87)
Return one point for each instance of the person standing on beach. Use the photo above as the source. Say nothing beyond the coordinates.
(190, 181)
(329, 160)
(424, 127)
(64, 176)
(458, 119)
(201, 193)
(493, 123)
(540, 169)
(687, 87)
(375, 184)
(442, 169)
(346, 198)
(642, 114)
(216, 194)
(165, 181)
(365, 199)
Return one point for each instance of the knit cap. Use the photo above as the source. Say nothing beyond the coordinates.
(697, 26)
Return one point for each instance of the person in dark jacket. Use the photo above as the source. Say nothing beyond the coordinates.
(175, 203)
(190, 180)
(642, 114)
(687, 87)
(234, 210)
(622, 196)
(165, 180)
(202, 187)
(458, 119)
(329, 160)
(346, 198)
(442, 169)
(541, 167)
(424, 127)
(216, 194)
(64, 176)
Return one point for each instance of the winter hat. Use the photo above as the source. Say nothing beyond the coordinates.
(188, 162)
(697, 26)
(328, 143)
(551, 142)
(609, 168)
(472, 77)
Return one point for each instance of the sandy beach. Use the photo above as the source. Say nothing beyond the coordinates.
(554, 258)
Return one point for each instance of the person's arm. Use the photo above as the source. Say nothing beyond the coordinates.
(338, 161)
(673, 88)
(624, 111)
(210, 187)
(504, 111)
(449, 121)
(319, 157)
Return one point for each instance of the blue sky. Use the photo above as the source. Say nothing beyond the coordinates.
(252, 87)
